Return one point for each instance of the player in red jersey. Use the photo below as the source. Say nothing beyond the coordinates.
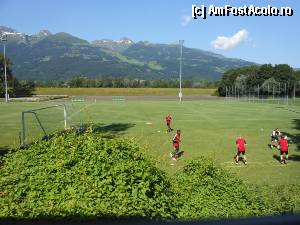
(176, 141)
(284, 149)
(168, 122)
(241, 149)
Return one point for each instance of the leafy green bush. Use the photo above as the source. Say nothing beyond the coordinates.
(82, 175)
(282, 199)
(208, 191)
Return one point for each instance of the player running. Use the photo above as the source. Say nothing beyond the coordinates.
(241, 149)
(176, 141)
(168, 122)
(275, 138)
(284, 149)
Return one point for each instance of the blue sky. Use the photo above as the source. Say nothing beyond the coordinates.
(264, 39)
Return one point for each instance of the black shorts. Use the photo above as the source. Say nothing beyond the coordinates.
(274, 139)
(284, 152)
(240, 152)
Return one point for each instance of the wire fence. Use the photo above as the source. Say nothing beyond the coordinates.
(276, 93)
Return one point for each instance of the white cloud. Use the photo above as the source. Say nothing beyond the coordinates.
(185, 20)
(225, 43)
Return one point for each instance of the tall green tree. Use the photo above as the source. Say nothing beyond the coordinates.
(230, 76)
(254, 77)
(16, 88)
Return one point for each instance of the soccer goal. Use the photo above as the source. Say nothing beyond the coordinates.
(42, 122)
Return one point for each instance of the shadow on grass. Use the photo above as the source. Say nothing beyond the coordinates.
(291, 157)
(294, 157)
(4, 150)
(277, 157)
(295, 138)
(288, 109)
(108, 130)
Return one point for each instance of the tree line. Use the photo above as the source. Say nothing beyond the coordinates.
(16, 88)
(244, 79)
(263, 78)
(125, 83)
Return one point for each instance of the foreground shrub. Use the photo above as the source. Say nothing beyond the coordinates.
(208, 191)
(82, 175)
(87, 175)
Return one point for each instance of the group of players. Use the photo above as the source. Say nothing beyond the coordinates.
(278, 141)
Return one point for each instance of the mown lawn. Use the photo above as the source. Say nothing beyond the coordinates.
(209, 128)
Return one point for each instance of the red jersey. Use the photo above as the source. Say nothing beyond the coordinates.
(241, 143)
(176, 140)
(284, 145)
(168, 119)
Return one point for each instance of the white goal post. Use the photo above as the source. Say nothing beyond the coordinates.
(36, 116)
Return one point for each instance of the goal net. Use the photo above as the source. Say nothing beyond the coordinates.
(42, 122)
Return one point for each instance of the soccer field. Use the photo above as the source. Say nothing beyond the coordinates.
(209, 128)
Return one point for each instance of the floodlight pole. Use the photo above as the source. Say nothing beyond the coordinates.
(180, 70)
(3, 38)
(5, 77)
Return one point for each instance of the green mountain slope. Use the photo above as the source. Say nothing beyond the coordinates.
(61, 56)
(197, 64)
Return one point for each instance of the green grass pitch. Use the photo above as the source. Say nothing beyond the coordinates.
(209, 128)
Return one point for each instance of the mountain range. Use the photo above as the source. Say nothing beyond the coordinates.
(61, 56)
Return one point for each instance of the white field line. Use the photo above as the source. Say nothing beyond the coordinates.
(263, 164)
(240, 166)
(242, 119)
